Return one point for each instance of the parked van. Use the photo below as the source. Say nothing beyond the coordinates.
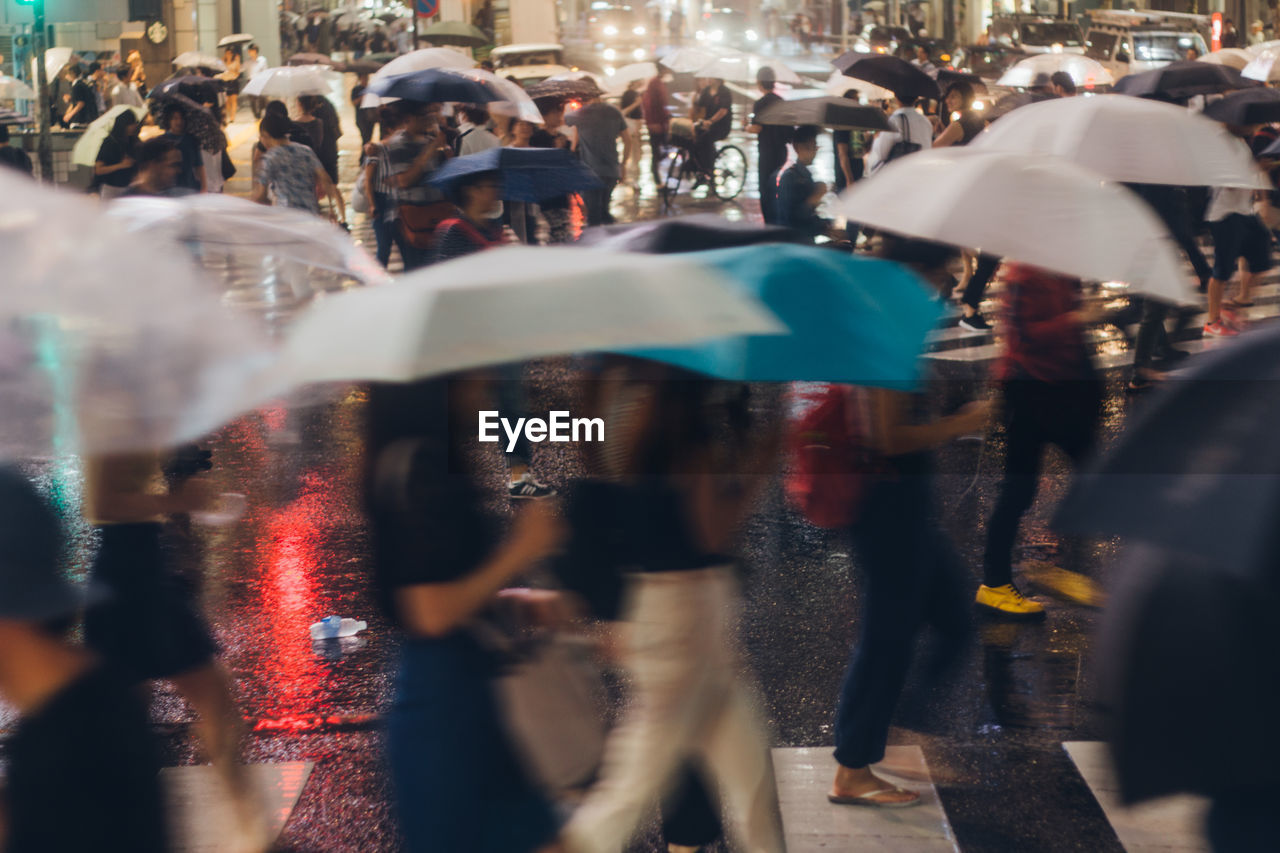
(1136, 41)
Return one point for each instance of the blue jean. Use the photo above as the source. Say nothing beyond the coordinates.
(457, 783)
(513, 404)
(913, 579)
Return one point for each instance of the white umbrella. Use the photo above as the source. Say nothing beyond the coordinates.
(108, 335)
(516, 102)
(1128, 139)
(85, 151)
(1083, 70)
(1035, 208)
(195, 59)
(1263, 67)
(291, 81)
(1232, 57)
(624, 76)
(838, 84)
(55, 59)
(513, 304)
(235, 38)
(685, 60)
(269, 258)
(1256, 49)
(418, 60)
(12, 89)
(743, 68)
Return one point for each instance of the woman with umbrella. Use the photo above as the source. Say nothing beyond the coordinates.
(114, 167)
(231, 80)
(174, 121)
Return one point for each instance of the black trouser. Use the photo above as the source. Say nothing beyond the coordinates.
(1173, 206)
(597, 202)
(704, 150)
(1036, 414)
(366, 121)
(977, 285)
(1153, 339)
(769, 188)
(657, 148)
(690, 813)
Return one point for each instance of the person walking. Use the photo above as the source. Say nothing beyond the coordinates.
(192, 176)
(418, 148)
(231, 81)
(657, 121)
(289, 173)
(318, 108)
(556, 210)
(521, 215)
(961, 123)
(122, 92)
(909, 127)
(1238, 233)
(473, 136)
(366, 117)
(771, 145)
(380, 192)
(256, 65)
(114, 167)
(599, 125)
(633, 111)
(157, 165)
(82, 105)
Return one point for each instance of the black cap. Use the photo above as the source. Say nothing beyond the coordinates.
(31, 587)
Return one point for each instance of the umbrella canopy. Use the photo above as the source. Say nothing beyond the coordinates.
(435, 85)
(195, 59)
(200, 90)
(852, 319)
(9, 117)
(888, 72)
(946, 77)
(566, 86)
(85, 151)
(291, 82)
(686, 60)
(201, 123)
(838, 84)
(234, 38)
(56, 59)
(360, 66)
(1037, 209)
(457, 33)
(1232, 57)
(693, 233)
(620, 78)
(1262, 67)
(12, 89)
(837, 113)
(743, 68)
(1086, 72)
(1128, 139)
(511, 100)
(1251, 106)
(528, 174)
(1197, 472)
(1255, 49)
(104, 336)
(310, 59)
(268, 258)
(1183, 79)
(513, 304)
(387, 56)
(1014, 101)
(419, 60)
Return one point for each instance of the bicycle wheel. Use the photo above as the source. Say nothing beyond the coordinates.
(729, 172)
(673, 172)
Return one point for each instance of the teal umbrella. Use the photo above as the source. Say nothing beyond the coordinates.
(861, 321)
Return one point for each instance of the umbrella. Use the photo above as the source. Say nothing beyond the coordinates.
(435, 85)
(195, 59)
(457, 33)
(1037, 209)
(625, 75)
(310, 59)
(686, 60)
(289, 82)
(528, 174)
(743, 68)
(264, 257)
(512, 100)
(105, 334)
(1084, 71)
(1181, 80)
(1198, 471)
(201, 123)
(837, 113)
(419, 60)
(1232, 57)
(360, 66)
(1262, 67)
(852, 319)
(235, 38)
(1251, 106)
(85, 151)
(513, 304)
(565, 86)
(693, 233)
(1128, 139)
(1014, 101)
(9, 117)
(838, 84)
(201, 90)
(946, 77)
(12, 89)
(56, 59)
(888, 72)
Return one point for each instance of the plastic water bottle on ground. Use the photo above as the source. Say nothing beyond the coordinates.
(333, 627)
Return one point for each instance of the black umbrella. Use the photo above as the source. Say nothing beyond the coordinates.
(1183, 79)
(1251, 106)
(360, 66)
(889, 72)
(1185, 650)
(201, 123)
(837, 113)
(562, 88)
(1199, 471)
(310, 59)
(686, 234)
(947, 76)
(202, 90)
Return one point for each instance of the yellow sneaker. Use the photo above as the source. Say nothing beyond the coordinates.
(1007, 603)
(1062, 584)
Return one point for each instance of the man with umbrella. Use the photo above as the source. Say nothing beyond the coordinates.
(599, 126)
(772, 145)
(911, 129)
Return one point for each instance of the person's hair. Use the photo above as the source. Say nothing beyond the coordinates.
(805, 134)
(391, 116)
(167, 114)
(4, 133)
(122, 123)
(308, 103)
(1063, 81)
(233, 49)
(75, 70)
(476, 114)
(548, 105)
(459, 190)
(964, 90)
(276, 108)
(923, 47)
(153, 151)
(95, 67)
(124, 72)
(254, 46)
(415, 108)
(133, 54)
(275, 126)
(487, 65)
(907, 101)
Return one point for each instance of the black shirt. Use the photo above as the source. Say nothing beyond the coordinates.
(712, 103)
(110, 153)
(328, 153)
(84, 773)
(82, 92)
(15, 158)
(629, 99)
(971, 124)
(772, 138)
(189, 148)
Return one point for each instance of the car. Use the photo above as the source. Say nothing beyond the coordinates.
(529, 63)
(1037, 34)
(616, 26)
(988, 61)
(1133, 42)
(726, 27)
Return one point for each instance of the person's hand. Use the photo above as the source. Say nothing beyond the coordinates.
(1090, 314)
(820, 189)
(538, 530)
(127, 163)
(974, 417)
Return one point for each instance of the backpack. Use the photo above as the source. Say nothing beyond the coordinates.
(831, 465)
(903, 146)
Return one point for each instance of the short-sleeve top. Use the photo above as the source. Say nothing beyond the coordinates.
(289, 172)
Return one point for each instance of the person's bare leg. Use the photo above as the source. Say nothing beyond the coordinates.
(856, 781)
(1245, 293)
(1214, 312)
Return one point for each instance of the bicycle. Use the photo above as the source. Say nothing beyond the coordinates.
(728, 169)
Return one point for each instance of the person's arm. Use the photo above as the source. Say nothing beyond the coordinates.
(370, 170)
(202, 178)
(101, 168)
(437, 609)
(259, 193)
(952, 135)
(76, 108)
(331, 191)
(410, 176)
(892, 435)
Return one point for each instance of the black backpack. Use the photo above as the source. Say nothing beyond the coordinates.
(903, 146)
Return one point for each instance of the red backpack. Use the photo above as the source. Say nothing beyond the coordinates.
(831, 464)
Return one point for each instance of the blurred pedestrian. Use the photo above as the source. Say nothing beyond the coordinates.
(555, 210)
(1238, 234)
(290, 173)
(418, 148)
(798, 194)
(960, 121)
(82, 103)
(657, 120)
(366, 117)
(440, 559)
(911, 132)
(230, 78)
(473, 135)
(380, 192)
(256, 65)
(713, 119)
(599, 125)
(520, 215)
(137, 72)
(771, 145)
(478, 197)
(12, 157)
(633, 111)
(114, 166)
(157, 163)
(1062, 84)
(123, 92)
(321, 122)
(173, 120)
(83, 768)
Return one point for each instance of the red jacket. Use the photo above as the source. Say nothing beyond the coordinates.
(653, 105)
(1043, 339)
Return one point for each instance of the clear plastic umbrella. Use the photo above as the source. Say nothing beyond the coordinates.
(235, 38)
(11, 88)
(418, 60)
(108, 342)
(686, 60)
(290, 82)
(269, 260)
(838, 84)
(743, 68)
(1084, 71)
(1232, 57)
(55, 59)
(1263, 66)
(624, 76)
(195, 59)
